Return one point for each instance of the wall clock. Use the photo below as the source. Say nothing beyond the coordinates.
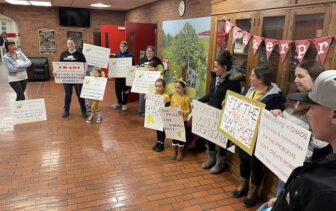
(182, 8)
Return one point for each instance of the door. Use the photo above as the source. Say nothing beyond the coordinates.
(111, 36)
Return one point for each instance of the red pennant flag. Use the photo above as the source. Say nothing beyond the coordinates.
(246, 38)
(221, 38)
(236, 32)
(301, 48)
(256, 43)
(228, 26)
(322, 46)
(270, 44)
(284, 46)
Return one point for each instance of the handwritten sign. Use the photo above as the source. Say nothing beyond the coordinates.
(68, 72)
(28, 111)
(152, 115)
(239, 120)
(119, 66)
(93, 88)
(130, 74)
(173, 123)
(6, 124)
(281, 144)
(205, 120)
(96, 55)
(144, 81)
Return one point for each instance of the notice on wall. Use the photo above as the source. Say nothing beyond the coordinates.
(205, 120)
(93, 88)
(78, 38)
(239, 120)
(96, 55)
(47, 41)
(28, 111)
(173, 123)
(118, 67)
(144, 81)
(281, 144)
(152, 115)
(130, 74)
(68, 72)
(6, 124)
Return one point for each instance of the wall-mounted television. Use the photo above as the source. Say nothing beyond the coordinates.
(75, 17)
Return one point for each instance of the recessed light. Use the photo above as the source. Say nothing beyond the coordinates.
(100, 5)
(40, 3)
(18, 2)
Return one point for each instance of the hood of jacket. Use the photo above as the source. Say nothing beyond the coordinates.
(273, 91)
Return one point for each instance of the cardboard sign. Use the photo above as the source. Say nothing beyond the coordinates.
(281, 145)
(152, 115)
(28, 111)
(119, 66)
(173, 123)
(240, 119)
(205, 120)
(6, 124)
(130, 75)
(93, 88)
(144, 81)
(96, 55)
(68, 72)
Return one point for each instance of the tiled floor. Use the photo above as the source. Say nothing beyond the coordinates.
(67, 164)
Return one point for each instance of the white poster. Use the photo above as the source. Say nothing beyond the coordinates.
(144, 81)
(96, 55)
(6, 124)
(68, 72)
(93, 88)
(205, 120)
(173, 123)
(119, 66)
(28, 111)
(281, 144)
(130, 75)
(152, 115)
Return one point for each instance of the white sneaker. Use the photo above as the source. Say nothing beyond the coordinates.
(117, 105)
(124, 107)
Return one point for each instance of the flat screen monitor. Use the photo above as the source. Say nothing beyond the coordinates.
(74, 17)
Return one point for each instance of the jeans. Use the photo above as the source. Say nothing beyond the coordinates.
(281, 185)
(68, 94)
(251, 167)
(142, 102)
(19, 88)
(121, 90)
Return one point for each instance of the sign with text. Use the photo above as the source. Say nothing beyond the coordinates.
(281, 144)
(173, 123)
(68, 72)
(96, 55)
(239, 120)
(119, 66)
(205, 120)
(28, 111)
(144, 81)
(152, 115)
(6, 124)
(130, 74)
(93, 88)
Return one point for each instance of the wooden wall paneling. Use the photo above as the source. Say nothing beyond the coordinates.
(212, 49)
(330, 62)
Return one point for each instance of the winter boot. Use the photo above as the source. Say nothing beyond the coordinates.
(180, 152)
(174, 152)
(156, 145)
(242, 188)
(220, 165)
(160, 147)
(211, 160)
(252, 196)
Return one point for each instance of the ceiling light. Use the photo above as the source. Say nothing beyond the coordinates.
(40, 3)
(18, 2)
(100, 5)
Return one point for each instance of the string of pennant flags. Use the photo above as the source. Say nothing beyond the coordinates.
(321, 44)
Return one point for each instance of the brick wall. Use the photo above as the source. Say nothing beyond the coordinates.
(164, 10)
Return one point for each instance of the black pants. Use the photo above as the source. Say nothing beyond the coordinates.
(250, 166)
(160, 135)
(19, 88)
(121, 90)
(68, 94)
(212, 147)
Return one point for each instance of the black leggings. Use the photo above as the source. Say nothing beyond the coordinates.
(250, 166)
(160, 135)
(19, 88)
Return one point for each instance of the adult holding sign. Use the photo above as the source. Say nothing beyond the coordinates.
(224, 79)
(72, 55)
(121, 89)
(263, 90)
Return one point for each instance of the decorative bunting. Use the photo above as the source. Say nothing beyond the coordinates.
(322, 46)
(256, 43)
(270, 44)
(284, 46)
(246, 39)
(236, 30)
(221, 38)
(301, 48)
(228, 26)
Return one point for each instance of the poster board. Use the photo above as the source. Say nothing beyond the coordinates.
(28, 111)
(77, 37)
(173, 123)
(6, 124)
(93, 88)
(281, 144)
(130, 74)
(144, 81)
(96, 55)
(240, 119)
(47, 41)
(68, 72)
(119, 66)
(152, 114)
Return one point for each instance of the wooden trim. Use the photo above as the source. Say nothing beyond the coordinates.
(212, 50)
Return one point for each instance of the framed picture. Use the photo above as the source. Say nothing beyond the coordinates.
(77, 37)
(47, 41)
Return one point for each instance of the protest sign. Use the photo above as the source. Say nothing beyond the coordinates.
(205, 120)
(118, 67)
(239, 120)
(152, 115)
(130, 74)
(28, 111)
(281, 144)
(173, 123)
(96, 55)
(144, 81)
(93, 88)
(68, 72)
(6, 124)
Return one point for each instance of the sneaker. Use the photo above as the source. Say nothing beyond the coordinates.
(124, 107)
(89, 120)
(116, 106)
(84, 115)
(140, 113)
(65, 114)
(99, 120)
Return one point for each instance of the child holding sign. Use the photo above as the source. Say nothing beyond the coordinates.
(180, 100)
(96, 107)
(160, 86)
